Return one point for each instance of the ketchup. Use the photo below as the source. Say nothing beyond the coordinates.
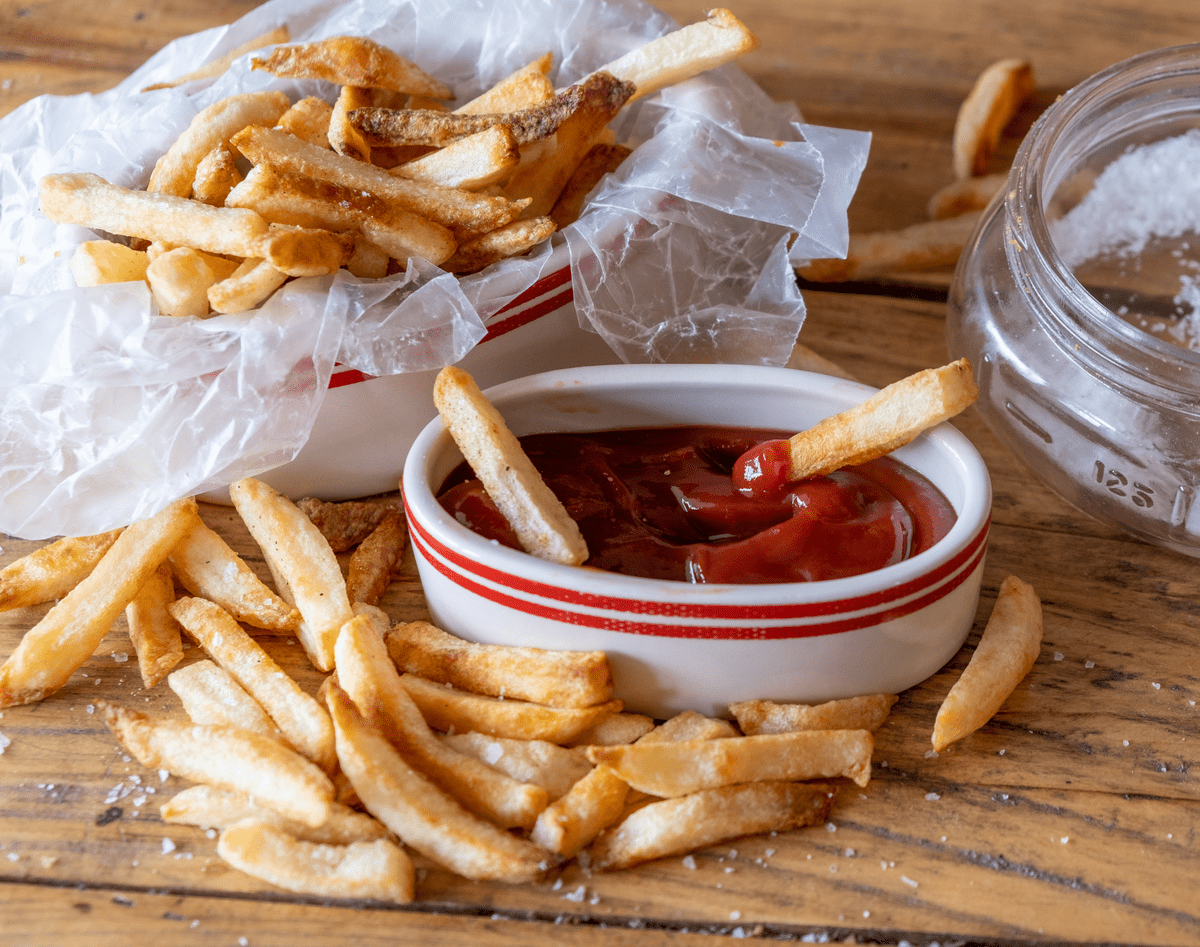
(663, 503)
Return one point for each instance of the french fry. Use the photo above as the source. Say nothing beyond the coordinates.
(179, 281)
(210, 694)
(369, 260)
(153, 632)
(353, 61)
(216, 175)
(923, 246)
(304, 251)
(690, 725)
(308, 120)
(378, 870)
(218, 66)
(684, 53)
(306, 571)
(614, 730)
(601, 159)
(51, 571)
(508, 241)
(99, 262)
(299, 717)
(541, 522)
(227, 758)
(212, 808)
(342, 135)
(344, 525)
(889, 419)
(53, 649)
(528, 86)
(964, 195)
(376, 559)
(89, 201)
(471, 162)
(676, 768)
(1007, 651)
(451, 710)
(867, 712)
(999, 92)
(424, 816)
(246, 287)
(675, 826)
(213, 126)
(571, 822)
(555, 768)
(555, 678)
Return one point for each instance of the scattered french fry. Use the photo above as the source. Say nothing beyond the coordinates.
(920, 246)
(376, 559)
(51, 571)
(555, 768)
(615, 730)
(246, 287)
(152, 631)
(99, 262)
(353, 61)
(210, 694)
(344, 525)
(601, 159)
(525, 88)
(571, 822)
(216, 175)
(965, 195)
(999, 92)
(1006, 652)
(690, 725)
(308, 120)
(496, 245)
(867, 712)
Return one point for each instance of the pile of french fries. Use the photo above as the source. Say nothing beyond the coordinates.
(259, 189)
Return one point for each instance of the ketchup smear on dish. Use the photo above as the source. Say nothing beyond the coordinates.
(663, 503)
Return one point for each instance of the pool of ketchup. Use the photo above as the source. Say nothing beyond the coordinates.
(663, 503)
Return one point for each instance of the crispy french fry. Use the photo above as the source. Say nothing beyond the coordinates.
(90, 201)
(615, 730)
(601, 159)
(99, 262)
(367, 675)
(53, 649)
(218, 66)
(528, 86)
(867, 712)
(555, 768)
(210, 694)
(343, 136)
(690, 725)
(571, 822)
(51, 571)
(306, 571)
(308, 120)
(344, 525)
(246, 287)
(417, 811)
(684, 53)
(206, 566)
(376, 559)
(964, 195)
(471, 162)
(1006, 652)
(676, 768)
(227, 758)
(555, 678)
(153, 632)
(212, 808)
(216, 175)
(353, 61)
(299, 717)
(924, 246)
(213, 126)
(999, 92)
(179, 281)
(378, 870)
(889, 419)
(304, 251)
(675, 826)
(541, 522)
(508, 241)
(369, 260)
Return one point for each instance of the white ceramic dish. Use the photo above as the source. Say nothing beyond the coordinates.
(676, 646)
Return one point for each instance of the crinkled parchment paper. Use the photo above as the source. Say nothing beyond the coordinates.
(109, 411)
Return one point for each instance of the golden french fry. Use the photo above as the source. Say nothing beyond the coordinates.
(218, 66)
(210, 694)
(306, 571)
(179, 281)
(212, 808)
(353, 61)
(675, 826)
(206, 566)
(867, 712)
(99, 262)
(451, 710)
(213, 126)
(542, 524)
(216, 175)
(53, 649)
(999, 92)
(378, 870)
(508, 241)
(376, 559)
(246, 287)
(424, 816)
(555, 678)
(90, 201)
(601, 159)
(343, 136)
(924, 246)
(685, 53)
(889, 419)
(555, 768)
(309, 120)
(299, 717)
(51, 571)
(227, 758)
(614, 730)
(571, 822)
(304, 251)
(965, 195)
(690, 725)
(368, 677)
(153, 632)
(1006, 652)
(676, 768)
(528, 86)
(471, 162)
(369, 260)
(348, 523)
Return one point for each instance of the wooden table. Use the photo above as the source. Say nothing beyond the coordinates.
(1074, 817)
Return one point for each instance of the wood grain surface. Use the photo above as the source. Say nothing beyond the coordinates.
(1073, 817)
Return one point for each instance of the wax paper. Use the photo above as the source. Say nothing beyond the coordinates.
(109, 411)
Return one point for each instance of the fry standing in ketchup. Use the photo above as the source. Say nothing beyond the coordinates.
(708, 504)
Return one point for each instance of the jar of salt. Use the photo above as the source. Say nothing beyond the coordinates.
(1078, 299)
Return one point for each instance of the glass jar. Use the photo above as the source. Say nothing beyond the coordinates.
(1106, 412)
